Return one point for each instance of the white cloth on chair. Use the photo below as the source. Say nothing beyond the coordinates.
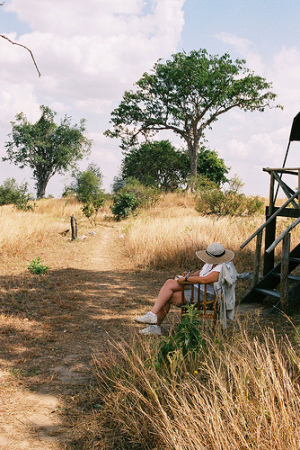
(225, 291)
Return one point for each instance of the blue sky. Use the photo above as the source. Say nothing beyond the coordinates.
(90, 52)
(268, 24)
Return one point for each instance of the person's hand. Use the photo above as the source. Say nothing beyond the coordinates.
(180, 280)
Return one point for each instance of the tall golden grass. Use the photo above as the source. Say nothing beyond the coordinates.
(164, 236)
(169, 234)
(21, 230)
(241, 393)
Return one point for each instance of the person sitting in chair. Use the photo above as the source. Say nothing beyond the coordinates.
(171, 292)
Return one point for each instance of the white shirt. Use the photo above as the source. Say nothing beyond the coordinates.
(206, 270)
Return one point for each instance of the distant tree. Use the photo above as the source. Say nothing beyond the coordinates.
(46, 147)
(156, 164)
(118, 183)
(186, 95)
(87, 188)
(211, 166)
(133, 196)
(159, 164)
(13, 194)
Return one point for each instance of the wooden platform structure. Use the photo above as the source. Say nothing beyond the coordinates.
(279, 283)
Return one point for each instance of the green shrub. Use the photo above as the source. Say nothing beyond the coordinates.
(87, 188)
(124, 204)
(217, 202)
(12, 194)
(148, 195)
(186, 342)
(36, 266)
(132, 196)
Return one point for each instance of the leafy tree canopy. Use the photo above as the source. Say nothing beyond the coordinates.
(159, 164)
(87, 184)
(156, 164)
(211, 166)
(186, 95)
(46, 147)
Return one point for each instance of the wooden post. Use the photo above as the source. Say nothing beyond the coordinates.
(270, 229)
(271, 195)
(74, 227)
(257, 259)
(269, 239)
(284, 286)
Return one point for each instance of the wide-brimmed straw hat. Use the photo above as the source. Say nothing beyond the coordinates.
(215, 254)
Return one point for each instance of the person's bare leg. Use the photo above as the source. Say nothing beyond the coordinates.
(165, 294)
(169, 294)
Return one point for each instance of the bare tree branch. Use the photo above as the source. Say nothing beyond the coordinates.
(26, 48)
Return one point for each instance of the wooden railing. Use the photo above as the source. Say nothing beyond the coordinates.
(285, 236)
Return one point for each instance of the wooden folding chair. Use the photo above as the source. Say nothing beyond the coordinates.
(208, 309)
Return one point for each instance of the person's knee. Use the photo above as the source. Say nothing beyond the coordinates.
(170, 283)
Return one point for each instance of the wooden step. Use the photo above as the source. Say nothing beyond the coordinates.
(268, 293)
(290, 276)
(294, 259)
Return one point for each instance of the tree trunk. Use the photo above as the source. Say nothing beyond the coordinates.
(40, 191)
(41, 185)
(193, 148)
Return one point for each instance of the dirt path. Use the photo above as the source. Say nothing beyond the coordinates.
(51, 327)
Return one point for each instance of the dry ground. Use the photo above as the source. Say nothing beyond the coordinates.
(52, 325)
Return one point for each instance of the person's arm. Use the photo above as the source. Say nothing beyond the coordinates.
(211, 278)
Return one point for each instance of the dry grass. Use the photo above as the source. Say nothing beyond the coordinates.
(20, 230)
(243, 395)
(168, 235)
(23, 234)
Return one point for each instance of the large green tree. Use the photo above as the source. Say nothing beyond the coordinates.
(160, 164)
(211, 166)
(186, 94)
(157, 164)
(46, 147)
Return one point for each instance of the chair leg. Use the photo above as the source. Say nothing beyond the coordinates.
(205, 299)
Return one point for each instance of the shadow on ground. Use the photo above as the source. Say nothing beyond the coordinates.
(52, 325)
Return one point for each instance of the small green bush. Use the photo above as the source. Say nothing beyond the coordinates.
(217, 202)
(13, 194)
(86, 186)
(186, 342)
(36, 266)
(227, 202)
(132, 196)
(124, 204)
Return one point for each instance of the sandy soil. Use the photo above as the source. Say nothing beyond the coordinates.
(52, 325)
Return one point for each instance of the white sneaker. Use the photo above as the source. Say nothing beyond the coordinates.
(149, 317)
(152, 329)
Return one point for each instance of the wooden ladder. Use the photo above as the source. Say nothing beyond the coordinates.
(272, 285)
(278, 282)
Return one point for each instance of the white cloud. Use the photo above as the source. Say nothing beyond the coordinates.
(89, 53)
(245, 48)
